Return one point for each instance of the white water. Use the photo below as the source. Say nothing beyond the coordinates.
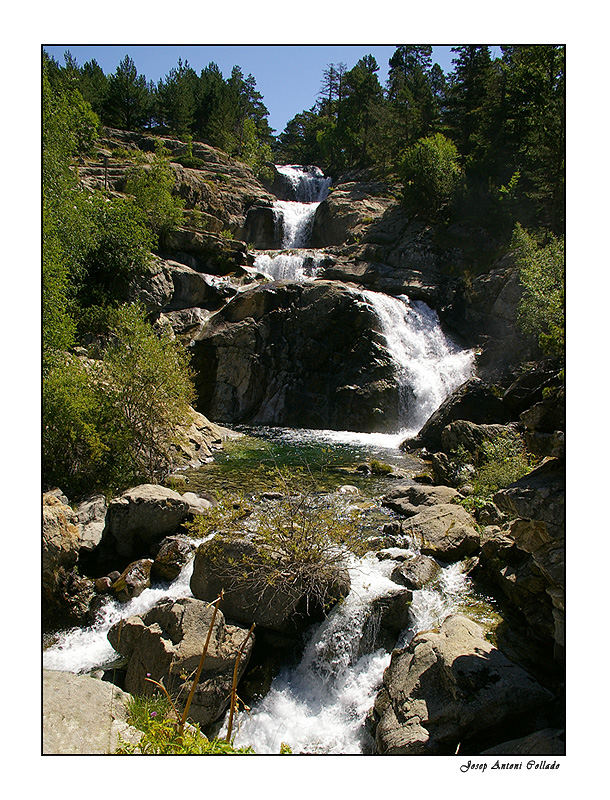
(86, 649)
(320, 705)
(297, 267)
(428, 365)
(296, 217)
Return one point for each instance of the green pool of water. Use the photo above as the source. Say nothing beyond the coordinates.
(276, 460)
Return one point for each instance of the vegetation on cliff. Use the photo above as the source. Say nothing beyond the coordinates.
(108, 420)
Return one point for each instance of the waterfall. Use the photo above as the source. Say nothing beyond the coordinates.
(294, 218)
(298, 267)
(86, 649)
(320, 705)
(428, 365)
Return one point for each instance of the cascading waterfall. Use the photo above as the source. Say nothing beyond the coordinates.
(428, 365)
(320, 705)
(294, 219)
(85, 649)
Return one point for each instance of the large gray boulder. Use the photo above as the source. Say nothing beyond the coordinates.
(139, 518)
(445, 531)
(410, 500)
(448, 687)
(83, 715)
(305, 355)
(166, 644)
(91, 514)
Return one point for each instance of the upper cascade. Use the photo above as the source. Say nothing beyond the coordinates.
(307, 184)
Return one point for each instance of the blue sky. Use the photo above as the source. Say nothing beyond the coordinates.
(288, 76)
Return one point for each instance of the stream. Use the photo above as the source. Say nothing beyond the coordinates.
(320, 704)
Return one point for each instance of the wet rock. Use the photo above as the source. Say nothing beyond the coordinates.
(174, 553)
(133, 580)
(416, 572)
(448, 687)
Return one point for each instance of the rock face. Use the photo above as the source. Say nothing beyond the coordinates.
(538, 502)
(444, 531)
(221, 188)
(348, 211)
(166, 643)
(303, 355)
(83, 715)
(278, 608)
(66, 594)
(450, 687)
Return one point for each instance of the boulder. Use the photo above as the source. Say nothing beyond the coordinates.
(409, 500)
(284, 608)
(538, 502)
(472, 436)
(416, 572)
(197, 440)
(450, 687)
(91, 515)
(83, 715)
(348, 211)
(444, 531)
(474, 401)
(547, 742)
(303, 355)
(140, 518)
(133, 580)
(174, 553)
(166, 644)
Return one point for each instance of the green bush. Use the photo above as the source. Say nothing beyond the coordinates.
(542, 274)
(152, 187)
(431, 173)
(111, 422)
(300, 539)
(498, 463)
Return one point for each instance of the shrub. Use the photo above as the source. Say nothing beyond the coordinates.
(110, 422)
(300, 541)
(498, 463)
(542, 274)
(431, 174)
(379, 468)
(162, 737)
(151, 187)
